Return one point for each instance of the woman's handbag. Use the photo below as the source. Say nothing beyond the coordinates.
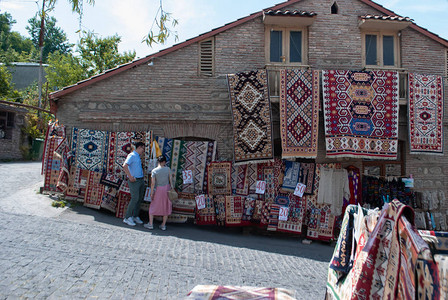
(172, 194)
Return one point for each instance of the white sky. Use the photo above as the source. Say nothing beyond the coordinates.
(132, 19)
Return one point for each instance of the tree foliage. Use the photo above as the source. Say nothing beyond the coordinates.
(100, 54)
(7, 91)
(13, 46)
(63, 70)
(93, 56)
(55, 39)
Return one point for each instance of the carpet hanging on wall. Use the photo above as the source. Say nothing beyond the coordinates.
(425, 114)
(361, 113)
(251, 111)
(219, 181)
(90, 149)
(299, 113)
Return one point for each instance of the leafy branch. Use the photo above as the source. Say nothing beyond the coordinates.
(164, 31)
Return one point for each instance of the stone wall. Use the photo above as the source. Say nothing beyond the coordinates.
(10, 148)
(170, 98)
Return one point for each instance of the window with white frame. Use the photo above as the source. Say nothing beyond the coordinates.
(285, 45)
(381, 49)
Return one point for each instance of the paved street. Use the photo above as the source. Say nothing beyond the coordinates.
(82, 253)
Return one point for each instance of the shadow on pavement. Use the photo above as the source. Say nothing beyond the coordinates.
(251, 238)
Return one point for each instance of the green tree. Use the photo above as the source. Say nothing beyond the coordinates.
(13, 46)
(7, 91)
(5, 81)
(55, 38)
(63, 70)
(99, 54)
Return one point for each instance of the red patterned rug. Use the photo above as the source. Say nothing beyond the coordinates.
(207, 215)
(272, 173)
(296, 216)
(242, 180)
(52, 166)
(251, 111)
(425, 113)
(122, 204)
(184, 205)
(94, 190)
(299, 113)
(361, 113)
(119, 148)
(234, 210)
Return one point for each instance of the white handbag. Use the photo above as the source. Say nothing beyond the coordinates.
(153, 160)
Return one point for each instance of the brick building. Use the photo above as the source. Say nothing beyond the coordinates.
(12, 120)
(182, 91)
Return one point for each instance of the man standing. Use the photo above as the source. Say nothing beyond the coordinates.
(133, 168)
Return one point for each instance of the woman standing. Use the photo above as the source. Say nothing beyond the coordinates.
(160, 185)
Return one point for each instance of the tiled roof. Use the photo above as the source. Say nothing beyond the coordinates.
(295, 12)
(385, 17)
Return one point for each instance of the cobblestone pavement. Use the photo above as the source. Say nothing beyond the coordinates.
(81, 253)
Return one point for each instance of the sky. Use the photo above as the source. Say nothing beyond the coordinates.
(132, 19)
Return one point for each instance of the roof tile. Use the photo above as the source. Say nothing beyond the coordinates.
(295, 12)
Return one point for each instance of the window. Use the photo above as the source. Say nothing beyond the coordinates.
(6, 124)
(206, 58)
(380, 49)
(334, 9)
(286, 46)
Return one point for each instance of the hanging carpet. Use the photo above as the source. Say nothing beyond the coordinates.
(53, 164)
(89, 148)
(94, 190)
(184, 205)
(207, 215)
(291, 178)
(299, 113)
(252, 121)
(361, 113)
(425, 114)
(296, 216)
(219, 181)
(166, 146)
(119, 147)
(234, 210)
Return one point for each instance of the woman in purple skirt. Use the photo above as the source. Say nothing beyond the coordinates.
(160, 185)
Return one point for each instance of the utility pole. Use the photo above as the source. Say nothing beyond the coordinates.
(41, 47)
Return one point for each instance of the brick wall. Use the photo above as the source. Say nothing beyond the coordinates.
(172, 100)
(10, 148)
